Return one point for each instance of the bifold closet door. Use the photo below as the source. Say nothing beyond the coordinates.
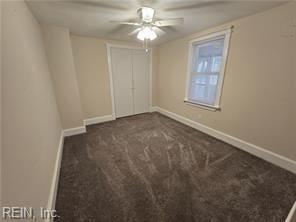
(141, 67)
(121, 61)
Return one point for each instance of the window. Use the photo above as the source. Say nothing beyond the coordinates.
(206, 63)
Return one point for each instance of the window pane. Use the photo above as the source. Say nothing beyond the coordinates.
(207, 58)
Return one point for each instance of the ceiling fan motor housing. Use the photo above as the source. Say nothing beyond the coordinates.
(146, 14)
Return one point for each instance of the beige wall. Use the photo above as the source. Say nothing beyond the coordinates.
(294, 91)
(0, 107)
(154, 75)
(31, 126)
(60, 59)
(90, 57)
(257, 97)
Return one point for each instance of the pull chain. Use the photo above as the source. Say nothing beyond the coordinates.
(145, 44)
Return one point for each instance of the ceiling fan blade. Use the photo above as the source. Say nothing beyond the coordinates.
(126, 23)
(190, 5)
(158, 31)
(118, 30)
(169, 22)
(103, 5)
(134, 32)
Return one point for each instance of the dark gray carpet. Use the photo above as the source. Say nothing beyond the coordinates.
(151, 168)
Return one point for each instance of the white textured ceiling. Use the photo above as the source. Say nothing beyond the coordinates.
(92, 18)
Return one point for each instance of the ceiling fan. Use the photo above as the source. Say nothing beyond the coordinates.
(148, 27)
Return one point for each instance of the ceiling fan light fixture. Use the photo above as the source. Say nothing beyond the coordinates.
(146, 33)
(147, 14)
(141, 35)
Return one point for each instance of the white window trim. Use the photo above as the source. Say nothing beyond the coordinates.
(216, 106)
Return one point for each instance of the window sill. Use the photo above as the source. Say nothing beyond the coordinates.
(203, 106)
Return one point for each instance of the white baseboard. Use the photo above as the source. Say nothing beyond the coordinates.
(57, 166)
(269, 156)
(276, 159)
(55, 177)
(74, 131)
(292, 214)
(99, 119)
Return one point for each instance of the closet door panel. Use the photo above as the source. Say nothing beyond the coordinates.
(121, 60)
(141, 66)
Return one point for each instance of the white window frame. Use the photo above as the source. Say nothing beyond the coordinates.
(212, 36)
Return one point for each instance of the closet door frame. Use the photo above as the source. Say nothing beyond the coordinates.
(111, 45)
